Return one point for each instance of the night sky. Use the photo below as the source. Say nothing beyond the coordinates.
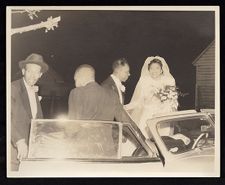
(100, 37)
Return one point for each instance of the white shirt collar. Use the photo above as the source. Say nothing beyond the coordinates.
(119, 85)
(32, 99)
(116, 79)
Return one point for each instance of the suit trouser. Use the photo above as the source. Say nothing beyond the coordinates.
(14, 163)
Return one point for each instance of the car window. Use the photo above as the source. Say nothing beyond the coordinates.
(185, 134)
(211, 112)
(213, 116)
(131, 146)
(74, 139)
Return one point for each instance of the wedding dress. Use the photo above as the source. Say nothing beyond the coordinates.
(145, 103)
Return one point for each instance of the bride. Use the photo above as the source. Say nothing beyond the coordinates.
(147, 99)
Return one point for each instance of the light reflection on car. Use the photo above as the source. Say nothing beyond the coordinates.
(182, 141)
(72, 139)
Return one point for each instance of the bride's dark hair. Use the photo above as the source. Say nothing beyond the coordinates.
(156, 61)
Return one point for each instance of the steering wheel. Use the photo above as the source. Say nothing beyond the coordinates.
(198, 139)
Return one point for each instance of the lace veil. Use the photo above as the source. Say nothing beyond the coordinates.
(165, 68)
(145, 77)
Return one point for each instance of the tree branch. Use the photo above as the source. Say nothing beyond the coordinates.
(49, 25)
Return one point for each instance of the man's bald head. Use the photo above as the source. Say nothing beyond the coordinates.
(84, 74)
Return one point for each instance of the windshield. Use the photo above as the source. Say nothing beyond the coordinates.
(185, 134)
(74, 139)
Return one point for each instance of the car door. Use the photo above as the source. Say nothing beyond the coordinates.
(87, 148)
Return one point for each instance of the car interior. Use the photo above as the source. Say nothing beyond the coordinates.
(193, 133)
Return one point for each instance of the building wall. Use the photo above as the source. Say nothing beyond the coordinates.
(205, 78)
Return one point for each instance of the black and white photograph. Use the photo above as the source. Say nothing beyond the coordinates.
(113, 91)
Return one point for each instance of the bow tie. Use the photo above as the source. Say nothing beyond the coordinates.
(34, 88)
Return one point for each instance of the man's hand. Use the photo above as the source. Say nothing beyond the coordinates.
(21, 149)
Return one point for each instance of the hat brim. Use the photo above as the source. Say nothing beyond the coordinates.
(44, 66)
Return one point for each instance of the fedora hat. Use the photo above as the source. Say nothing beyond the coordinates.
(34, 59)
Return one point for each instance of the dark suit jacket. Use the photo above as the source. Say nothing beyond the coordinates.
(21, 112)
(93, 102)
(110, 84)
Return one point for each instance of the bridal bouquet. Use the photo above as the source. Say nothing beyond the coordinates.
(169, 93)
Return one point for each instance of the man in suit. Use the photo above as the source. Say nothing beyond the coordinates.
(91, 101)
(121, 72)
(25, 106)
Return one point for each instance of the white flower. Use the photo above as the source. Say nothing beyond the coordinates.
(169, 96)
(40, 98)
(163, 98)
(173, 93)
(123, 88)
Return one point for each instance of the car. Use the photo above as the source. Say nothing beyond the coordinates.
(181, 143)
(197, 128)
(210, 112)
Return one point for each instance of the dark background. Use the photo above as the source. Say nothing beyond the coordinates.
(100, 37)
(147, 181)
